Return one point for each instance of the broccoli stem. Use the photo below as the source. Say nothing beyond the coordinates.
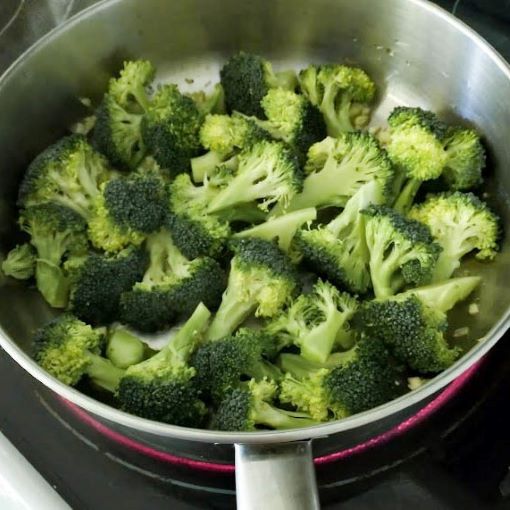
(445, 295)
(125, 349)
(382, 266)
(265, 369)
(205, 165)
(283, 79)
(232, 312)
(265, 414)
(283, 228)
(297, 366)
(52, 283)
(104, 373)
(406, 197)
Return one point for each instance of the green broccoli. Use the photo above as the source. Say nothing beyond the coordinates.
(250, 407)
(413, 331)
(195, 232)
(20, 262)
(465, 159)
(171, 287)
(170, 129)
(461, 223)
(69, 349)
(69, 173)
(282, 228)
(124, 349)
(268, 172)
(316, 322)
(247, 78)
(163, 388)
(338, 167)
(261, 280)
(98, 281)
(402, 251)
(127, 210)
(210, 103)
(224, 137)
(343, 95)
(117, 131)
(338, 250)
(222, 364)
(416, 147)
(57, 234)
(363, 378)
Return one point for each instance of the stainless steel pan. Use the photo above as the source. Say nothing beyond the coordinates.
(419, 55)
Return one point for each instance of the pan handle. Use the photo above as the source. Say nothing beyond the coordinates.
(276, 476)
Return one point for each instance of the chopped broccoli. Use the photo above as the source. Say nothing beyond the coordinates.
(224, 136)
(402, 251)
(20, 262)
(338, 167)
(70, 173)
(250, 407)
(195, 232)
(282, 228)
(170, 129)
(171, 287)
(338, 250)
(316, 322)
(222, 364)
(465, 159)
(247, 78)
(162, 387)
(261, 280)
(413, 331)
(57, 233)
(126, 211)
(124, 349)
(212, 103)
(69, 349)
(99, 280)
(461, 223)
(364, 377)
(416, 148)
(343, 95)
(268, 172)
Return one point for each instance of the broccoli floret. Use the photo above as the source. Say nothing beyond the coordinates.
(282, 228)
(293, 119)
(343, 95)
(20, 262)
(316, 322)
(224, 136)
(171, 128)
(99, 280)
(212, 103)
(402, 251)
(261, 280)
(247, 78)
(338, 250)
(57, 234)
(222, 364)
(413, 331)
(69, 173)
(124, 349)
(337, 168)
(364, 377)
(195, 232)
(163, 388)
(250, 407)
(268, 172)
(127, 210)
(416, 148)
(461, 223)
(465, 159)
(171, 287)
(69, 349)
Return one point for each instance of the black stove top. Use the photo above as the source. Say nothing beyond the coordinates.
(457, 459)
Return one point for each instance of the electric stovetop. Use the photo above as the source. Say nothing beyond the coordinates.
(456, 459)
